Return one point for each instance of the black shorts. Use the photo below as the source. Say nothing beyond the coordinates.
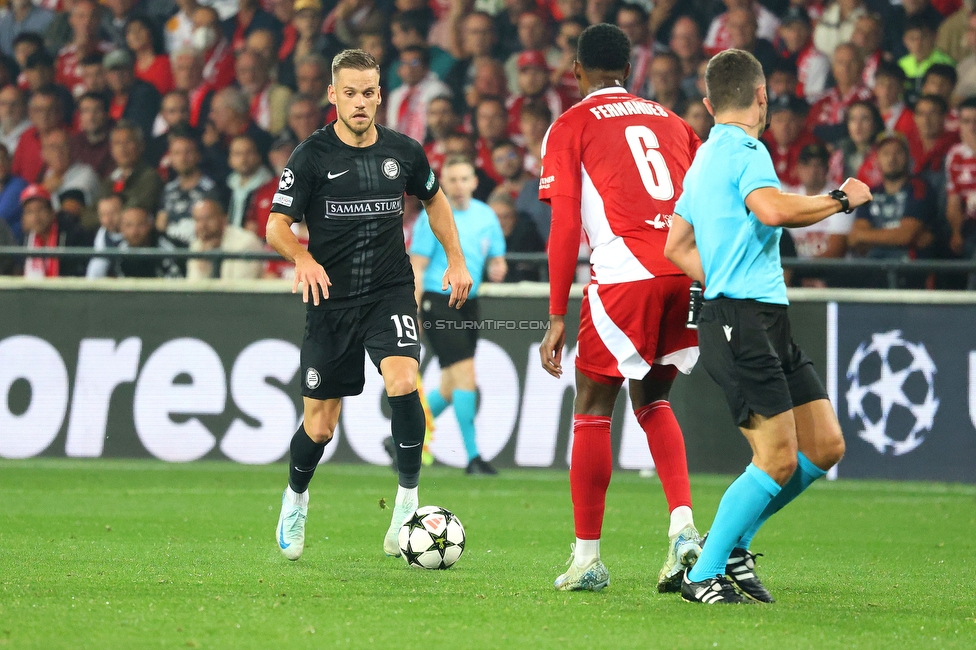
(333, 363)
(453, 333)
(747, 348)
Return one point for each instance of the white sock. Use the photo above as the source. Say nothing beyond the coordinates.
(586, 550)
(680, 517)
(406, 496)
(295, 498)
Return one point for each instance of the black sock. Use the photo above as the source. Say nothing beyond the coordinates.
(305, 457)
(409, 426)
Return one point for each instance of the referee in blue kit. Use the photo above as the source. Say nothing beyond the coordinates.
(725, 234)
(453, 333)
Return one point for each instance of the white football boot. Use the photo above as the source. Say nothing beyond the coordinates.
(683, 551)
(401, 513)
(592, 577)
(290, 533)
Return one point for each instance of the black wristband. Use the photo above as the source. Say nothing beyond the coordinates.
(841, 196)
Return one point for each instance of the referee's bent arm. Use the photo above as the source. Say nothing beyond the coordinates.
(779, 209)
(682, 249)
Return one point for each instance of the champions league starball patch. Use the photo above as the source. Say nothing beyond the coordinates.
(287, 179)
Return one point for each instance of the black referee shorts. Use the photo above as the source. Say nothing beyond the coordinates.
(747, 348)
(452, 332)
(333, 359)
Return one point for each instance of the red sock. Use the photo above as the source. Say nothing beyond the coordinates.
(589, 473)
(667, 447)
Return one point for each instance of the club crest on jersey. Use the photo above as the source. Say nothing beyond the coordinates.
(391, 168)
(312, 379)
(287, 179)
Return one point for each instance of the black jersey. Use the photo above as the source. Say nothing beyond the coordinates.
(352, 201)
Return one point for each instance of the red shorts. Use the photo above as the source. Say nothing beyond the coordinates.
(629, 328)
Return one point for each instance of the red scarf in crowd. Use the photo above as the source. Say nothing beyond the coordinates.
(43, 267)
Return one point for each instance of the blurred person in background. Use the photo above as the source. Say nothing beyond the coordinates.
(312, 78)
(700, 120)
(824, 239)
(463, 145)
(567, 36)
(308, 39)
(259, 208)
(136, 227)
(137, 182)
(190, 186)
(867, 37)
(39, 73)
(533, 87)
(304, 117)
(85, 40)
(898, 222)
(174, 112)
(269, 101)
(10, 189)
(889, 92)
(855, 156)
(409, 29)
(632, 20)
(488, 81)
(265, 43)
(22, 16)
(787, 136)
(827, 116)
(247, 176)
(150, 66)
(441, 122)
(43, 227)
(217, 54)
(686, 43)
(188, 79)
(90, 145)
(966, 69)
(492, 126)
(45, 112)
(350, 18)
(230, 116)
(249, 17)
(744, 35)
(477, 38)
(133, 100)
(25, 44)
(931, 145)
(941, 80)
(13, 116)
(961, 186)
(919, 40)
(782, 79)
(93, 74)
(837, 24)
(534, 121)
(178, 30)
(952, 36)
(214, 233)
(796, 45)
(108, 235)
(407, 105)
(8, 265)
(664, 75)
(533, 36)
(115, 14)
(509, 164)
(61, 173)
(720, 31)
(520, 237)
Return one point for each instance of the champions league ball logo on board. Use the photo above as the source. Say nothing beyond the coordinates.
(892, 392)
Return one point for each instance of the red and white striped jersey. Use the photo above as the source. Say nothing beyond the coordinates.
(624, 159)
(960, 170)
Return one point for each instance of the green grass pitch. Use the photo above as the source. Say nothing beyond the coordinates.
(140, 554)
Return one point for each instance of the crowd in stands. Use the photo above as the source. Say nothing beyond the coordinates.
(166, 123)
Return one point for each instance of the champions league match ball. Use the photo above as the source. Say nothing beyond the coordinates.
(432, 538)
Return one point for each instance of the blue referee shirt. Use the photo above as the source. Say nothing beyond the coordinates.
(740, 254)
(481, 238)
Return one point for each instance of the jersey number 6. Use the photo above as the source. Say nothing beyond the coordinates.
(650, 163)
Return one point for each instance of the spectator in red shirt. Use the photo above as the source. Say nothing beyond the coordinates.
(933, 141)
(827, 117)
(256, 218)
(492, 124)
(787, 137)
(44, 228)
(961, 185)
(44, 111)
(941, 79)
(795, 40)
(188, 78)
(218, 56)
(84, 27)
(889, 90)
(151, 67)
(868, 35)
(855, 155)
(533, 85)
(250, 16)
(441, 122)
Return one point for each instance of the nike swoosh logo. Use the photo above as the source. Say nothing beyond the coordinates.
(331, 176)
(281, 538)
(306, 471)
(403, 446)
(401, 344)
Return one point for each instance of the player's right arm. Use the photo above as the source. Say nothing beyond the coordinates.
(308, 273)
(682, 249)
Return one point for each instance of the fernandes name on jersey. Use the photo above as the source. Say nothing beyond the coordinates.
(352, 201)
(626, 201)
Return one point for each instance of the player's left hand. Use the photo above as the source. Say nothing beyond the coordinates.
(458, 278)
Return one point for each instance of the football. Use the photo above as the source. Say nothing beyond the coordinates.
(432, 538)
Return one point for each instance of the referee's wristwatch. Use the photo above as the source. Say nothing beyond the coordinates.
(841, 196)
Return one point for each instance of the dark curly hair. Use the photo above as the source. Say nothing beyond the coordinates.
(603, 47)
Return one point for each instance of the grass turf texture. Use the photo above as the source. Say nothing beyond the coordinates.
(133, 554)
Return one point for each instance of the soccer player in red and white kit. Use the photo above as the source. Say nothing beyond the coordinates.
(613, 164)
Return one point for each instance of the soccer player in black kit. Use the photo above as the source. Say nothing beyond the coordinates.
(347, 181)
